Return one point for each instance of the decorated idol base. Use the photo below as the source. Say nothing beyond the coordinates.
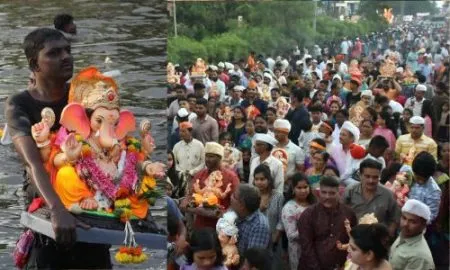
(103, 230)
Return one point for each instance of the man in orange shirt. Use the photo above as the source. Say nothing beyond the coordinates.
(251, 62)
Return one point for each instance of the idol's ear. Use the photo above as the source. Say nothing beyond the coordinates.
(127, 124)
(74, 118)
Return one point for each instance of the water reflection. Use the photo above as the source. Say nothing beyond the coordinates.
(106, 23)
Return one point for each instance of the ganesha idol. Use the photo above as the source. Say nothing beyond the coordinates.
(95, 166)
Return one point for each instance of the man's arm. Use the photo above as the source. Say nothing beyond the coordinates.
(215, 131)
(63, 222)
(309, 259)
(419, 263)
(394, 214)
(434, 201)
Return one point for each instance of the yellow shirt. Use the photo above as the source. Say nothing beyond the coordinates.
(408, 148)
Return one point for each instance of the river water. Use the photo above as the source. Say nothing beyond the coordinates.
(132, 34)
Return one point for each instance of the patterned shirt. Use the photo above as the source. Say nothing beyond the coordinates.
(273, 211)
(319, 228)
(295, 156)
(405, 144)
(429, 193)
(253, 232)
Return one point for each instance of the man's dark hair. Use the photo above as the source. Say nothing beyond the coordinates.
(344, 112)
(316, 108)
(202, 101)
(275, 89)
(259, 258)
(223, 135)
(62, 20)
(180, 86)
(35, 41)
(329, 181)
(182, 99)
(380, 99)
(370, 163)
(249, 197)
(421, 78)
(191, 96)
(298, 94)
(320, 141)
(378, 141)
(199, 85)
(424, 165)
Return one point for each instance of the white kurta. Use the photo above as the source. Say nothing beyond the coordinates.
(276, 170)
(189, 156)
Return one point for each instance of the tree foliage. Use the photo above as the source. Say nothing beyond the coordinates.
(369, 8)
(212, 30)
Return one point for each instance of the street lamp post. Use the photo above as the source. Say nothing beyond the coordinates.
(315, 19)
(174, 17)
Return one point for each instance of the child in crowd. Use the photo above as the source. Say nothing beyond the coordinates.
(204, 251)
(257, 259)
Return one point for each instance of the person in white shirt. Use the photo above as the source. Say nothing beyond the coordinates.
(270, 62)
(189, 153)
(182, 113)
(263, 145)
(341, 153)
(314, 68)
(415, 103)
(344, 46)
(296, 156)
(217, 86)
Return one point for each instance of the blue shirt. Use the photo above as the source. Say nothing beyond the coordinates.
(253, 232)
(429, 193)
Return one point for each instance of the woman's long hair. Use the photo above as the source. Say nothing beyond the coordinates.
(295, 179)
(204, 239)
(172, 173)
(265, 170)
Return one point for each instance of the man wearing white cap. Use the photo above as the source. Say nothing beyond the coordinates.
(296, 156)
(183, 112)
(314, 68)
(234, 100)
(214, 153)
(415, 103)
(409, 145)
(263, 144)
(410, 250)
(340, 152)
(217, 85)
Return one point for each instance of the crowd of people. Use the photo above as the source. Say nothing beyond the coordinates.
(338, 158)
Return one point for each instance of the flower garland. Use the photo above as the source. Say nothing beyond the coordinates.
(95, 177)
